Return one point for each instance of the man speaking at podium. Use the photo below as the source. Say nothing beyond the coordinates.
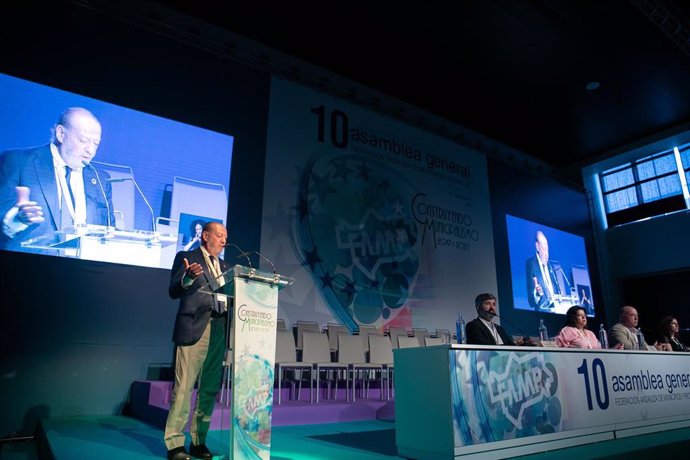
(199, 337)
(542, 283)
(54, 186)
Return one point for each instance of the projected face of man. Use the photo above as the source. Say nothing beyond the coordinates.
(215, 236)
(78, 137)
(542, 246)
(629, 317)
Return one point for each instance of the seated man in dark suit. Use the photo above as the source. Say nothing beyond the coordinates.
(482, 330)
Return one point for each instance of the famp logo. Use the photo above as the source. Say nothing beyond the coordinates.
(524, 382)
(376, 241)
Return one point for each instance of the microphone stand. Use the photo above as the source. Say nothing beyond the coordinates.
(245, 255)
(526, 340)
(148, 205)
(107, 205)
(275, 272)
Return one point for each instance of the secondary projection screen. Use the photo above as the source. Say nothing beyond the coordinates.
(151, 182)
(548, 268)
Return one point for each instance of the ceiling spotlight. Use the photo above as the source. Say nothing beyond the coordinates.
(592, 85)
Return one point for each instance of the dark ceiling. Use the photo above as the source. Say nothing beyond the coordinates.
(515, 71)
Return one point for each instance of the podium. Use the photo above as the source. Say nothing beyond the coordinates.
(107, 244)
(255, 315)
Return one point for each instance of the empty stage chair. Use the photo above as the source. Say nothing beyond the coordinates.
(394, 333)
(351, 353)
(407, 342)
(429, 341)
(286, 359)
(198, 198)
(364, 331)
(381, 352)
(333, 329)
(420, 333)
(444, 334)
(302, 326)
(317, 353)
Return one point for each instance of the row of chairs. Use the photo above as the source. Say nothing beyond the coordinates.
(349, 364)
(422, 335)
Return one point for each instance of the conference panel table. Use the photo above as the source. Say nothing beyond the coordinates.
(474, 401)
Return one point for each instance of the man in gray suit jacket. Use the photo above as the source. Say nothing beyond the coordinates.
(199, 336)
(48, 188)
(623, 335)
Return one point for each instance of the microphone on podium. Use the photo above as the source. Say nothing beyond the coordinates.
(242, 254)
(276, 277)
(153, 216)
(526, 340)
(275, 272)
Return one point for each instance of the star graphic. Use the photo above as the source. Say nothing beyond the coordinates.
(342, 171)
(321, 187)
(397, 207)
(311, 258)
(327, 280)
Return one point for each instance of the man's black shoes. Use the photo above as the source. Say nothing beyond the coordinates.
(200, 451)
(179, 453)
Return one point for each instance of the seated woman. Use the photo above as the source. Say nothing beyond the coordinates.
(575, 333)
(668, 327)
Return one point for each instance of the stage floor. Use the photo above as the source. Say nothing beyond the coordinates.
(120, 437)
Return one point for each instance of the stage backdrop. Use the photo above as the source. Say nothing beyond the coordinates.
(379, 223)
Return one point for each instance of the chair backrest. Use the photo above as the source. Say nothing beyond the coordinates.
(407, 342)
(198, 198)
(315, 347)
(444, 334)
(396, 332)
(333, 329)
(285, 347)
(364, 332)
(122, 194)
(281, 326)
(380, 349)
(421, 333)
(350, 349)
(305, 326)
(428, 341)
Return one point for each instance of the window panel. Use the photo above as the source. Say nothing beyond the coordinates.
(621, 199)
(618, 180)
(650, 191)
(646, 187)
(669, 186)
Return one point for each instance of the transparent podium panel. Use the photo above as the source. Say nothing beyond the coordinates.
(108, 244)
(224, 283)
(561, 303)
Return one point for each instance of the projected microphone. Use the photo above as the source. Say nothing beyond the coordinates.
(153, 216)
(242, 254)
(564, 277)
(100, 184)
(526, 341)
